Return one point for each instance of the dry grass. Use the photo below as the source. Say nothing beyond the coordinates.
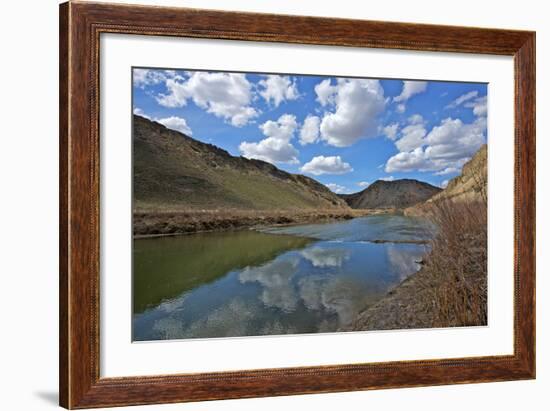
(455, 272)
(169, 222)
(450, 290)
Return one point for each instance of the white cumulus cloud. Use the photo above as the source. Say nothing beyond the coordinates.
(276, 147)
(325, 92)
(326, 165)
(138, 111)
(410, 88)
(176, 123)
(416, 119)
(453, 139)
(363, 184)
(282, 129)
(278, 89)
(412, 136)
(479, 106)
(173, 122)
(390, 131)
(309, 133)
(148, 77)
(408, 161)
(226, 95)
(337, 188)
(356, 104)
(444, 149)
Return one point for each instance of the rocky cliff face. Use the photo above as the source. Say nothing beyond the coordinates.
(172, 170)
(391, 194)
(471, 184)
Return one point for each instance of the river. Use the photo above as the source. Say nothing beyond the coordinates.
(283, 280)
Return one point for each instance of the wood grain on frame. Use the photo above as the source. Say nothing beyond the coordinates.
(80, 27)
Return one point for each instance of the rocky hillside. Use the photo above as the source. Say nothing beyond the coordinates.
(471, 183)
(391, 194)
(175, 171)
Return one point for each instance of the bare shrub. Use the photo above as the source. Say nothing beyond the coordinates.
(456, 268)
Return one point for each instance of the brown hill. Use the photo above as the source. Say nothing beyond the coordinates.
(174, 171)
(391, 194)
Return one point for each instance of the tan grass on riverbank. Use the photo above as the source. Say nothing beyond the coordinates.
(171, 222)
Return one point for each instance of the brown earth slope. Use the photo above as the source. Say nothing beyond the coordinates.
(471, 183)
(174, 172)
(391, 194)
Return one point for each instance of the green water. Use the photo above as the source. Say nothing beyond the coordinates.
(166, 267)
(301, 279)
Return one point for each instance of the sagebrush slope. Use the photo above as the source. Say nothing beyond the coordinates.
(174, 171)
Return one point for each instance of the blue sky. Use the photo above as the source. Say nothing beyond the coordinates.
(344, 132)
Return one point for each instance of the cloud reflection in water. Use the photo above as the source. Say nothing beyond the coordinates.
(320, 288)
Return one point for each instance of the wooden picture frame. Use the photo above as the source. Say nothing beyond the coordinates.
(80, 27)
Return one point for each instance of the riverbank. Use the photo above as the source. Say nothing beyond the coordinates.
(161, 223)
(450, 290)
(408, 305)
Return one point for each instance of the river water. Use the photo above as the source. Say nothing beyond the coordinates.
(284, 280)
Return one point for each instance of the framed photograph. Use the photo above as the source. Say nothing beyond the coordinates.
(258, 205)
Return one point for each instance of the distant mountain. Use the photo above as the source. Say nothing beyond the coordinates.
(175, 171)
(471, 183)
(391, 194)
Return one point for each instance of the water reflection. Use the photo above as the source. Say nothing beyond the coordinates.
(164, 268)
(273, 288)
(321, 257)
(385, 227)
(226, 320)
(275, 279)
(403, 260)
